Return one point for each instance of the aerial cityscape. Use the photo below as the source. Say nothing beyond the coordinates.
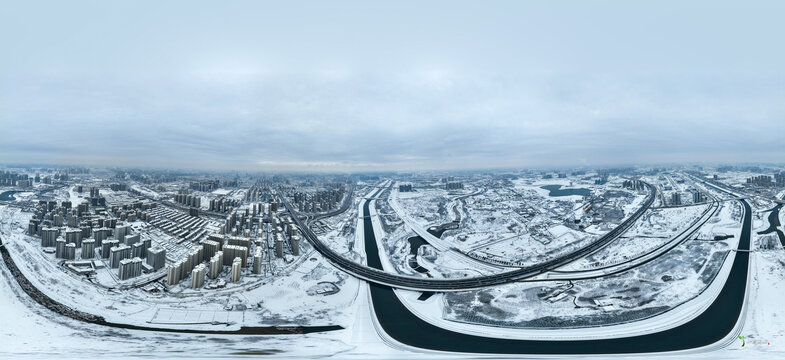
(445, 180)
(504, 262)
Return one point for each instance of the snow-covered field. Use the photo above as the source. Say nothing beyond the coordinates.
(642, 292)
(289, 297)
(31, 331)
(521, 223)
(286, 298)
(655, 228)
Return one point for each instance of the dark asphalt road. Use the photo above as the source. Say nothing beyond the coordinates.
(709, 327)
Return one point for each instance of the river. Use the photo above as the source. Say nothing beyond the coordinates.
(707, 328)
(8, 195)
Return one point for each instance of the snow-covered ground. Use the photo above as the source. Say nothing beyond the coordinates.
(640, 293)
(758, 346)
(520, 223)
(29, 330)
(655, 228)
(397, 240)
(288, 297)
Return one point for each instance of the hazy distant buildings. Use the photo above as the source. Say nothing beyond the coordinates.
(118, 187)
(760, 180)
(71, 219)
(676, 198)
(698, 197)
(188, 200)
(32, 228)
(223, 205)
(633, 184)
(455, 185)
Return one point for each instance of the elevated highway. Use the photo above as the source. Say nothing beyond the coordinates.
(442, 285)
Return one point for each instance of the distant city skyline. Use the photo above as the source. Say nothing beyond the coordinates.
(377, 87)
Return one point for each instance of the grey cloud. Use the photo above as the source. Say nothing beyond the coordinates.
(368, 86)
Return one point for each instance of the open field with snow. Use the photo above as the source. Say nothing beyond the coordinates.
(510, 219)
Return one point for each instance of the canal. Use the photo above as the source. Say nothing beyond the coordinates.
(716, 322)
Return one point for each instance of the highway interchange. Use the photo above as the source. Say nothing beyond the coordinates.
(426, 284)
(719, 322)
(715, 326)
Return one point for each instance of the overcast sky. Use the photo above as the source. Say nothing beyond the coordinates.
(336, 86)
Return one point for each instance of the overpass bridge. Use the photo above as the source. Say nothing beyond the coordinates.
(456, 284)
